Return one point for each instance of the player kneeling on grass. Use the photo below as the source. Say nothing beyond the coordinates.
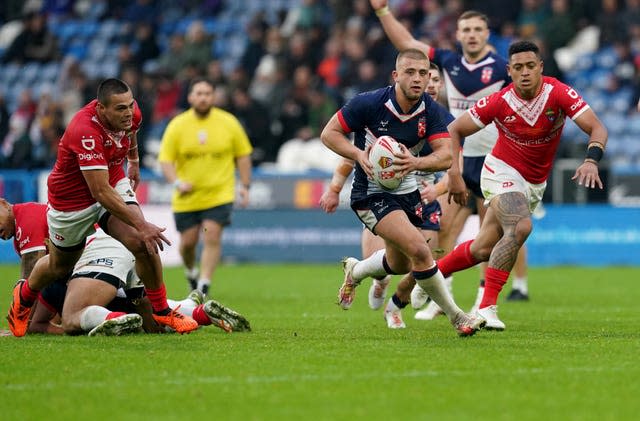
(105, 297)
(404, 112)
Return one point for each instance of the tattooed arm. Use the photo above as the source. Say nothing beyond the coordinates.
(28, 261)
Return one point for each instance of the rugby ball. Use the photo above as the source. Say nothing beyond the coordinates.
(381, 156)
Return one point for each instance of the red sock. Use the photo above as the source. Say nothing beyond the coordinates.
(494, 280)
(28, 296)
(460, 258)
(200, 316)
(114, 314)
(158, 298)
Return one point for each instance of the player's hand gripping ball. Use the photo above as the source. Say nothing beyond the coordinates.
(381, 157)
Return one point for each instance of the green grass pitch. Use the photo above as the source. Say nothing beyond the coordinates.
(571, 353)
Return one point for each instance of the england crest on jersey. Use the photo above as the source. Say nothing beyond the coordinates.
(422, 127)
(487, 72)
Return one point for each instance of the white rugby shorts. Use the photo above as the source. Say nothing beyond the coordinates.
(69, 229)
(498, 177)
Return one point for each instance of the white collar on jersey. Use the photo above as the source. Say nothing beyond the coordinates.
(473, 66)
(398, 113)
(528, 110)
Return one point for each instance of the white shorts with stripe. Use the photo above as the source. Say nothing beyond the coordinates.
(498, 177)
(69, 229)
(106, 255)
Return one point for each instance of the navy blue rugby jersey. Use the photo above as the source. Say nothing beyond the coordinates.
(426, 150)
(466, 83)
(372, 114)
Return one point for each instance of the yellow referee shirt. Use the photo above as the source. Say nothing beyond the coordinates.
(204, 152)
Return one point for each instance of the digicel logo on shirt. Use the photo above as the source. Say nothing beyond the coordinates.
(84, 156)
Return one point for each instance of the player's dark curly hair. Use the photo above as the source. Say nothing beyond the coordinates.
(523, 47)
(110, 87)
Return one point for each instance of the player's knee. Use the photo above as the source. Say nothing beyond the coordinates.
(419, 253)
(523, 229)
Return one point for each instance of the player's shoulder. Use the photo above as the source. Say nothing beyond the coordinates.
(85, 120)
(499, 59)
(30, 208)
(375, 96)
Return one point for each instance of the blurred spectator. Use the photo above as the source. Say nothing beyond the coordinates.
(330, 65)
(16, 146)
(144, 45)
(610, 21)
(254, 117)
(556, 32)
(34, 43)
(255, 49)
(75, 88)
(141, 11)
(197, 47)
(45, 131)
(215, 73)
(307, 14)
(172, 59)
(531, 18)
(4, 119)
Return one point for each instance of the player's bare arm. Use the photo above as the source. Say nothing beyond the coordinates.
(331, 197)
(244, 170)
(510, 209)
(587, 173)
(400, 37)
(458, 129)
(28, 261)
(334, 138)
(103, 193)
(133, 162)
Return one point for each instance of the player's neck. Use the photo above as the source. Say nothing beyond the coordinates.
(529, 94)
(474, 58)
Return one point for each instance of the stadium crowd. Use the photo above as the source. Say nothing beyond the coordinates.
(282, 67)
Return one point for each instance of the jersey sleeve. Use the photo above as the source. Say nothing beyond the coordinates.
(85, 143)
(31, 229)
(570, 101)
(436, 125)
(169, 143)
(484, 111)
(241, 143)
(353, 115)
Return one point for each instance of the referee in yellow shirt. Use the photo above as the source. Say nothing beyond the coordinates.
(200, 151)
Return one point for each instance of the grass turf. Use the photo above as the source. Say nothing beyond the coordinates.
(571, 353)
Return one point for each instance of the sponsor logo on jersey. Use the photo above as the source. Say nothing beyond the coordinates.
(510, 119)
(24, 242)
(422, 126)
(18, 233)
(89, 143)
(507, 184)
(485, 76)
(90, 156)
(383, 126)
(577, 104)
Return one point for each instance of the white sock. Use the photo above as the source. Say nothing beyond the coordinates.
(435, 287)
(192, 273)
(92, 316)
(203, 282)
(371, 266)
(448, 282)
(186, 306)
(520, 284)
(391, 306)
